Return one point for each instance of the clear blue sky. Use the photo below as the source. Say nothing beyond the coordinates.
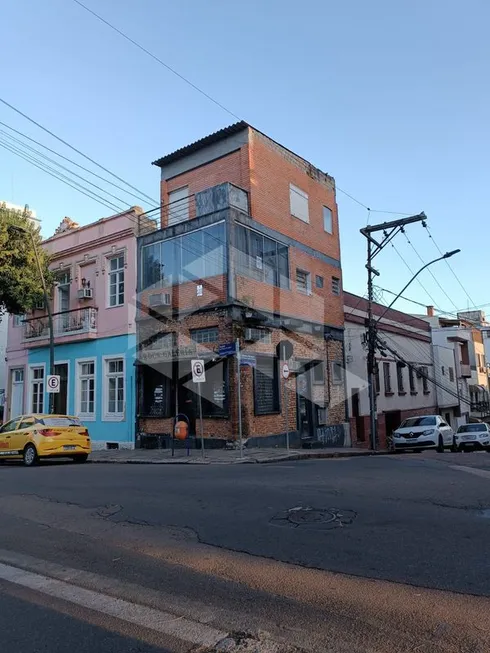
(391, 98)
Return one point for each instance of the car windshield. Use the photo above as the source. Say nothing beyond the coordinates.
(418, 421)
(60, 421)
(471, 428)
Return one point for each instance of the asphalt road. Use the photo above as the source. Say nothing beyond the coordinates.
(177, 535)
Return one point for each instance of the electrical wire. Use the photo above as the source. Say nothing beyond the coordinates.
(59, 177)
(448, 264)
(85, 156)
(65, 158)
(413, 274)
(428, 269)
(59, 165)
(157, 59)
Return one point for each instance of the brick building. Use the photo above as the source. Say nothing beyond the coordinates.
(246, 247)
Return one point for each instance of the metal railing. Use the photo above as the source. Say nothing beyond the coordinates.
(167, 215)
(80, 320)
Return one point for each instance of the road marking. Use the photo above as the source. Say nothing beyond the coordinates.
(472, 470)
(140, 615)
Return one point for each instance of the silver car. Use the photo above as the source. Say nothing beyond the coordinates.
(474, 436)
(424, 432)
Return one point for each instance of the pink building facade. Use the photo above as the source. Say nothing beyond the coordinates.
(94, 310)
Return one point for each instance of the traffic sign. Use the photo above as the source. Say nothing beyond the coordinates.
(198, 373)
(227, 349)
(285, 371)
(248, 360)
(53, 383)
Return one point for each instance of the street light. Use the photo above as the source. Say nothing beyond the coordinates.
(47, 303)
(372, 337)
(441, 258)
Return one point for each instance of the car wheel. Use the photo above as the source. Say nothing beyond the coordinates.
(30, 455)
(80, 458)
(440, 446)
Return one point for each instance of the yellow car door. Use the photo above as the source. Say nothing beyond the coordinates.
(6, 432)
(20, 436)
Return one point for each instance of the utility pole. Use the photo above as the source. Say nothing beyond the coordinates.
(389, 230)
(29, 233)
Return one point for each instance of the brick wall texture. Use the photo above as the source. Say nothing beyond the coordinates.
(265, 170)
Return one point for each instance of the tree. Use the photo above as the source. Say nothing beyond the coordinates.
(20, 282)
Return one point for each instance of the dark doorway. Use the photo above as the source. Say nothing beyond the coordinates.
(393, 420)
(356, 413)
(304, 405)
(61, 397)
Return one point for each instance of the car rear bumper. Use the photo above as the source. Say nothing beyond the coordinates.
(62, 450)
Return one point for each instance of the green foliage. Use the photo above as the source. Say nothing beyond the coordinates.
(20, 281)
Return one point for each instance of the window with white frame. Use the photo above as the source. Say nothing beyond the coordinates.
(114, 394)
(298, 201)
(86, 388)
(327, 220)
(336, 286)
(116, 280)
(37, 389)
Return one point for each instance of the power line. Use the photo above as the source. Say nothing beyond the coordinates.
(448, 264)
(428, 270)
(413, 274)
(59, 165)
(85, 156)
(65, 158)
(58, 176)
(157, 59)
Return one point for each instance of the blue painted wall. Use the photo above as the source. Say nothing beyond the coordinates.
(101, 431)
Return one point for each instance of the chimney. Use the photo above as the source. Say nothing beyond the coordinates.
(430, 311)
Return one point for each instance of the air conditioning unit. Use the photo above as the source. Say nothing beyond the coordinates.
(159, 299)
(251, 335)
(85, 293)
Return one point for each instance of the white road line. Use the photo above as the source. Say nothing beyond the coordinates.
(156, 620)
(484, 473)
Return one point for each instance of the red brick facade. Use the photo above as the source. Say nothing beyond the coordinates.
(265, 170)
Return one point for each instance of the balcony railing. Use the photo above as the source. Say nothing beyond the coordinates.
(167, 215)
(66, 323)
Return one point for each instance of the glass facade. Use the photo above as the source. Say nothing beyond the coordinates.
(196, 255)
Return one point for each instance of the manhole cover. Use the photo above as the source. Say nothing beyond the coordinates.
(314, 518)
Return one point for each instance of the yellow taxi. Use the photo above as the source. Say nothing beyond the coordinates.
(34, 437)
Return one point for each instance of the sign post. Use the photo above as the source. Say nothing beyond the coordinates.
(239, 396)
(284, 352)
(198, 377)
(53, 383)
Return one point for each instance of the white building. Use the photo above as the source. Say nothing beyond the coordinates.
(405, 369)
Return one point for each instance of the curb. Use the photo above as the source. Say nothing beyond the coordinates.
(267, 461)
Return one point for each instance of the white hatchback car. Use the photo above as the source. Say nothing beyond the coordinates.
(474, 436)
(424, 432)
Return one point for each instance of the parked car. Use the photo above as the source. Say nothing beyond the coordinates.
(34, 437)
(474, 436)
(424, 432)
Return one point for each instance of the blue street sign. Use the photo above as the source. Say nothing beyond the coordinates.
(248, 360)
(228, 349)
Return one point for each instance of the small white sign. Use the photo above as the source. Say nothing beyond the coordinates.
(198, 373)
(199, 289)
(53, 383)
(285, 371)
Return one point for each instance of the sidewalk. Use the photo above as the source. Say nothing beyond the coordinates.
(222, 456)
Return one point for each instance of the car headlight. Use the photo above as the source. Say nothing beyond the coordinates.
(428, 432)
